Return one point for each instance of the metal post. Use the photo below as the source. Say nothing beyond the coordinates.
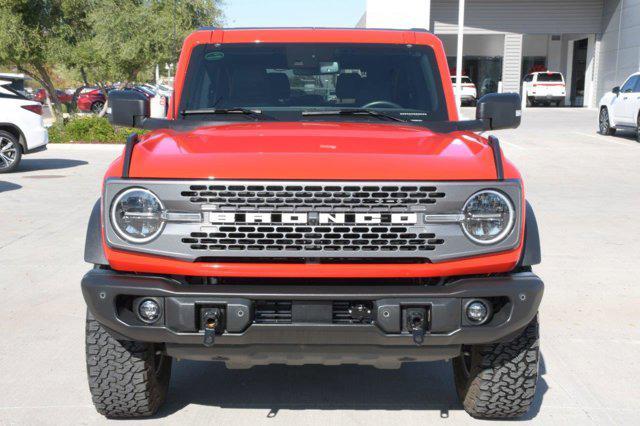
(459, 53)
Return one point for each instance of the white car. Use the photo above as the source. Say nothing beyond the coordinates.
(21, 127)
(158, 101)
(545, 87)
(468, 94)
(620, 108)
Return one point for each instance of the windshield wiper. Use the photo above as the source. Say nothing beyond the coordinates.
(354, 111)
(257, 114)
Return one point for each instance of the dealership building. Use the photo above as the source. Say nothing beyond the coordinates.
(594, 43)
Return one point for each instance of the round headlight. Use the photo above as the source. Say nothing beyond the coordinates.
(136, 215)
(488, 217)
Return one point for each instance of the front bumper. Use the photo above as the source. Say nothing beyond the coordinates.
(319, 337)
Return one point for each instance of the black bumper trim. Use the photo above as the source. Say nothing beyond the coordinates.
(101, 288)
(37, 149)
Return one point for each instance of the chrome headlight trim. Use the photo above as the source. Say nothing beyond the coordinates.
(505, 232)
(124, 235)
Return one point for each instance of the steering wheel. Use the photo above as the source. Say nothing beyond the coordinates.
(384, 104)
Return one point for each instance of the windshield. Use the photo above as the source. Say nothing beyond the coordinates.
(401, 80)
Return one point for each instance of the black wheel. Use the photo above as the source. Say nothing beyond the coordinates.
(605, 125)
(638, 129)
(529, 102)
(96, 107)
(499, 380)
(10, 152)
(126, 379)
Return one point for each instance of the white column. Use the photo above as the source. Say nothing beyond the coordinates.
(459, 53)
(512, 63)
(591, 73)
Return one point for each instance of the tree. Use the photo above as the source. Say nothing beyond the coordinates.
(102, 40)
(123, 40)
(32, 35)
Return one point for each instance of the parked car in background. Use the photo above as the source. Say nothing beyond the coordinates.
(620, 108)
(469, 93)
(91, 99)
(21, 127)
(64, 97)
(544, 88)
(158, 101)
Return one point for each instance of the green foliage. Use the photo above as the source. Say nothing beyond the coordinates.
(125, 39)
(32, 35)
(89, 129)
(101, 40)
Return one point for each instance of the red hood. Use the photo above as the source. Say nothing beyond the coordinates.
(340, 151)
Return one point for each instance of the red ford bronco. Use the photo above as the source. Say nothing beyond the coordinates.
(312, 197)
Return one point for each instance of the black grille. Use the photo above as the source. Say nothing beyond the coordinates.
(270, 238)
(330, 198)
(272, 312)
(341, 314)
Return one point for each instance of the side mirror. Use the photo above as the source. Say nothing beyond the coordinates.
(499, 110)
(128, 108)
(616, 90)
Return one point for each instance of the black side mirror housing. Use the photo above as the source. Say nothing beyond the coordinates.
(499, 110)
(129, 108)
(616, 90)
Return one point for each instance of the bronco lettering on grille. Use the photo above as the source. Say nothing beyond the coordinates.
(322, 218)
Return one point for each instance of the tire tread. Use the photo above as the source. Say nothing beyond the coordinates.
(503, 376)
(121, 374)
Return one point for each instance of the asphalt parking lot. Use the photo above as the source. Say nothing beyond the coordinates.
(583, 186)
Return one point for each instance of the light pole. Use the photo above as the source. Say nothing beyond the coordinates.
(459, 53)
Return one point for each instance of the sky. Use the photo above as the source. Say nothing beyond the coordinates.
(293, 13)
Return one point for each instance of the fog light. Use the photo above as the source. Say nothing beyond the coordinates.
(477, 312)
(149, 310)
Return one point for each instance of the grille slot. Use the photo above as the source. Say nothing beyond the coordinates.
(275, 238)
(272, 312)
(330, 198)
(341, 313)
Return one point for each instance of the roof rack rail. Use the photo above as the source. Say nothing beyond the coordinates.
(212, 28)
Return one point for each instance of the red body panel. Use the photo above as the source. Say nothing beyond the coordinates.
(41, 96)
(85, 100)
(340, 151)
(312, 151)
(495, 263)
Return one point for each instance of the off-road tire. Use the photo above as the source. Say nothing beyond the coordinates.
(126, 379)
(604, 123)
(499, 380)
(16, 151)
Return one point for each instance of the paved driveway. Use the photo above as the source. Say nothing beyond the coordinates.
(584, 187)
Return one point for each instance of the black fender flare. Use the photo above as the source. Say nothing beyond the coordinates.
(93, 252)
(531, 253)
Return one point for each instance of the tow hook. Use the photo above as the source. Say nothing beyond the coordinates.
(211, 322)
(416, 324)
(360, 313)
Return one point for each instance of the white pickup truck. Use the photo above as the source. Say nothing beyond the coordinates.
(544, 88)
(468, 91)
